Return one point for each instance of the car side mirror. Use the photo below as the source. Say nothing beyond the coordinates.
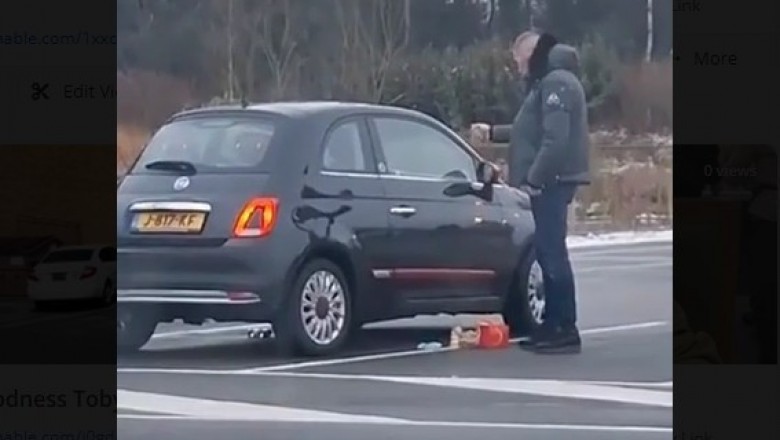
(488, 173)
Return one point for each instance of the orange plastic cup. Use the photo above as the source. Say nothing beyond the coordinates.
(493, 335)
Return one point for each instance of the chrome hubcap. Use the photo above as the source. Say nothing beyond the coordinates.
(323, 307)
(536, 298)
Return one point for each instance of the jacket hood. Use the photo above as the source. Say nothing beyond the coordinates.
(551, 55)
(563, 56)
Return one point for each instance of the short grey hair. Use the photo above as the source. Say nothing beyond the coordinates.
(522, 38)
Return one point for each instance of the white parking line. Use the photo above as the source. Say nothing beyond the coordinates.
(365, 358)
(661, 385)
(605, 270)
(586, 252)
(436, 424)
(227, 410)
(177, 408)
(568, 389)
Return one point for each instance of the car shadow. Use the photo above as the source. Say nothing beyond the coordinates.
(244, 352)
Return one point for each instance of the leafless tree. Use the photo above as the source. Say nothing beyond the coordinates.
(222, 35)
(276, 36)
(373, 34)
(650, 36)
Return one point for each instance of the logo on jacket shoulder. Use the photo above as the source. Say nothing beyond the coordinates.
(553, 99)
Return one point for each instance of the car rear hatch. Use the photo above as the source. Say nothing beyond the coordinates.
(199, 182)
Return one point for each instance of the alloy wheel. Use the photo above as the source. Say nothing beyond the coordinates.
(536, 298)
(323, 307)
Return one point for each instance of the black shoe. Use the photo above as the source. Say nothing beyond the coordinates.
(542, 333)
(563, 341)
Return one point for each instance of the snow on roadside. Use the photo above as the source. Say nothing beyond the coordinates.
(619, 238)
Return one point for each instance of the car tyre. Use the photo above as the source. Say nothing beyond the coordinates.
(525, 303)
(317, 316)
(134, 328)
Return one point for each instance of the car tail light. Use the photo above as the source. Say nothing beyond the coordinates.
(257, 218)
(88, 272)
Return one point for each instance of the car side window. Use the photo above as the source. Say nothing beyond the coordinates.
(344, 149)
(418, 150)
(107, 254)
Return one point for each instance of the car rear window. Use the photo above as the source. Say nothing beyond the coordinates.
(211, 144)
(69, 256)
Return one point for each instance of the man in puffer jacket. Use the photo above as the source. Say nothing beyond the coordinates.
(548, 159)
(691, 347)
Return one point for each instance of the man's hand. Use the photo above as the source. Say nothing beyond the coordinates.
(530, 190)
(479, 134)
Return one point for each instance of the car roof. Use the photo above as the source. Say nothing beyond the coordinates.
(306, 109)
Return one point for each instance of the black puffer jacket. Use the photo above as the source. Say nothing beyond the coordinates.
(548, 139)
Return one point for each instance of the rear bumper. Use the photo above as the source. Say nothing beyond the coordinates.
(240, 274)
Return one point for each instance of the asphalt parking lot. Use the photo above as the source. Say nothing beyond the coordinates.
(200, 382)
(213, 381)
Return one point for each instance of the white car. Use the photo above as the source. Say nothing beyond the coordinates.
(74, 273)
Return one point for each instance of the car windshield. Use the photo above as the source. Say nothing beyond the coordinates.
(69, 256)
(210, 144)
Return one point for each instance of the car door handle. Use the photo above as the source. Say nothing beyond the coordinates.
(403, 211)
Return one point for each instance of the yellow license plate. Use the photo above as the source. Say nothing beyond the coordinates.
(169, 222)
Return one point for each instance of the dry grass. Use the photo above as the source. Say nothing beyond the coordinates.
(130, 139)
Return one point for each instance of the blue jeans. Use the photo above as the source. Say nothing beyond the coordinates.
(550, 210)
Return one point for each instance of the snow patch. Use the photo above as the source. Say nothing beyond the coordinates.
(619, 238)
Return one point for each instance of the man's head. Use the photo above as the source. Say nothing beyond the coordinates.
(522, 49)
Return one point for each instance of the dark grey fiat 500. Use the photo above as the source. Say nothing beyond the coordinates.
(317, 217)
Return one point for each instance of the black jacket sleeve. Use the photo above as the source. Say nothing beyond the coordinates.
(556, 106)
(500, 133)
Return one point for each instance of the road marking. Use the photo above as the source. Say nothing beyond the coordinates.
(152, 417)
(537, 387)
(191, 409)
(663, 385)
(367, 358)
(604, 270)
(623, 328)
(227, 410)
(616, 259)
(656, 249)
